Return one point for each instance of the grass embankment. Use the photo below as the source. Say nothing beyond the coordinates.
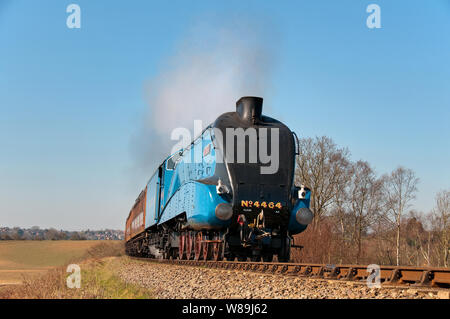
(98, 278)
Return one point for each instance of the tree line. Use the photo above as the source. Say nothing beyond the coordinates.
(361, 217)
(36, 233)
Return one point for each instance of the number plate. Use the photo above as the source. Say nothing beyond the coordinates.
(258, 204)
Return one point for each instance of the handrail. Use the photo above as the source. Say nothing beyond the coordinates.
(297, 144)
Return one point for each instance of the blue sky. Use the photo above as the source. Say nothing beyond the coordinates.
(71, 101)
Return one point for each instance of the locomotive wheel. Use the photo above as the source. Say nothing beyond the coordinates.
(198, 246)
(267, 258)
(181, 245)
(284, 254)
(231, 257)
(189, 243)
(242, 258)
(217, 251)
(256, 258)
(173, 253)
(207, 251)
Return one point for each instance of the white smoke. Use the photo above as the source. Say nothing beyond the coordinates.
(210, 71)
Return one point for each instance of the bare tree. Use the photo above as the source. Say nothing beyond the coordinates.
(51, 234)
(322, 167)
(417, 238)
(400, 190)
(441, 215)
(16, 233)
(366, 200)
(340, 214)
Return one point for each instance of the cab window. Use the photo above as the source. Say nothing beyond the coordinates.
(172, 162)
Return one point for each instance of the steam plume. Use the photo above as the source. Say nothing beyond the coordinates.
(209, 72)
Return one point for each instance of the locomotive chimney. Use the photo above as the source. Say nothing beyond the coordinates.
(249, 108)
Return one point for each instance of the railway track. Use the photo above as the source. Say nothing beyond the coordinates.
(389, 275)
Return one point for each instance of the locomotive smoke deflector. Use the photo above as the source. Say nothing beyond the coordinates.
(249, 108)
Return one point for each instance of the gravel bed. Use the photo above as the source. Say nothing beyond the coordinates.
(179, 282)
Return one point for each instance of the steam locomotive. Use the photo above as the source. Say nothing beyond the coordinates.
(218, 198)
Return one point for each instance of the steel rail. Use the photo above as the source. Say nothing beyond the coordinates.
(389, 275)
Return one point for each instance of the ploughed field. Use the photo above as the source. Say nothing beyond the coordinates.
(33, 258)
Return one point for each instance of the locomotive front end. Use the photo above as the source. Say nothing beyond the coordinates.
(229, 193)
(258, 172)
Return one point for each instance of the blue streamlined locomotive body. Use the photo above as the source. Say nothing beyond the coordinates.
(183, 189)
(201, 204)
